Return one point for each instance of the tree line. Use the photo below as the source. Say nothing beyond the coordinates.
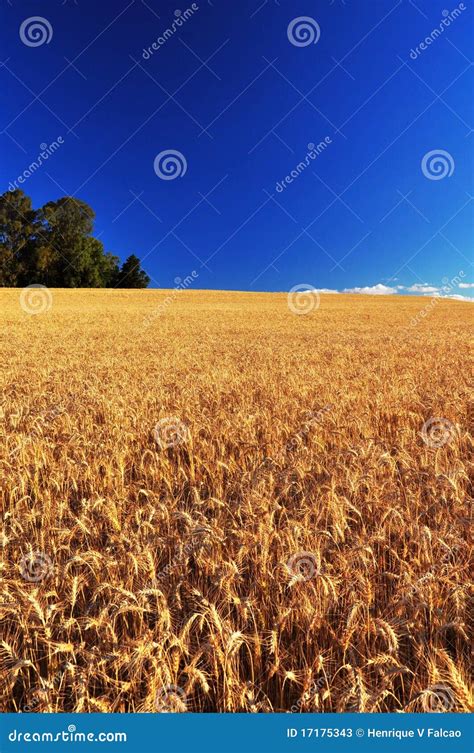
(54, 246)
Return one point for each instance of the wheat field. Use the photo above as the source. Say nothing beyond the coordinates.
(211, 503)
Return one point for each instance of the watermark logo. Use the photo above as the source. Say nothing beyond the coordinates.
(36, 31)
(437, 432)
(36, 299)
(437, 699)
(314, 689)
(38, 699)
(312, 420)
(170, 164)
(448, 285)
(303, 298)
(171, 699)
(437, 164)
(70, 735)
(302, 566)
(198, 540)
(314, 150)
(180, 18)
(181, 284)
(303, 31)
(170, 432)
(447, 20)
(47, 150)
(35, 566)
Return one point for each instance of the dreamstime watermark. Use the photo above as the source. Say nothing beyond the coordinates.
(36, 299)
(314, 418)
(448, 18)
(38, 697)
(36, 31)
(436, 432)
(180, 19)
(303, 298)
(170, 432)
(181, 284)
(71, 735)
(46, 418)
(267, 464)
(448, 285)
(437, 164)
(303, 566)
(415, 589)
(270, 465)
(192, 546)
(312, 691)
(170, 164)
(171, 699)
(314, 150)
(47, 150)
(35, 566)
(437, 699)
(303, 31)
(8, 601)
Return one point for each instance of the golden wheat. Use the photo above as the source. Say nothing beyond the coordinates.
(219, 505)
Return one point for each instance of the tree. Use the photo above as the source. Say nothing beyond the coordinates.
(18, 226)
(66, 230)
(109, 269)
(131, 275)
(55, 246)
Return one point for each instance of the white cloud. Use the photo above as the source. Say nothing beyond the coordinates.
(378, 289)
(459, 298)
(423, 287)
(454, 297)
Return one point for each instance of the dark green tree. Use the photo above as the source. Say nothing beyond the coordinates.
(131, 274)
(54, 246)
(107, 265)
(18, 227)
(66, 230)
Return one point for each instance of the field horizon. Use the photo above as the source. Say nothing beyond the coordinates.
(178, 290)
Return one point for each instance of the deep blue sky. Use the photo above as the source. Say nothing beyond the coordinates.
(261, 100)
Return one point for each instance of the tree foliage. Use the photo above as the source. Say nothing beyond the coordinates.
(131, 275)
(54, 246)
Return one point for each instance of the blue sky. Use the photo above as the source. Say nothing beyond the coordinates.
(239, 90)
